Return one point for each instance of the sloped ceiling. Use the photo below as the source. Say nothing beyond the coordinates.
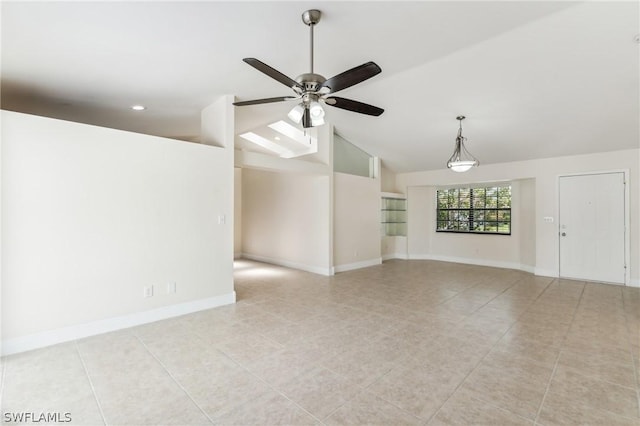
(535, 79)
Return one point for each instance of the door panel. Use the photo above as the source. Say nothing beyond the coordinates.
(592, 227)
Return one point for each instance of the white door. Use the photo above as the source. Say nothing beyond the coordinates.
(592, 227)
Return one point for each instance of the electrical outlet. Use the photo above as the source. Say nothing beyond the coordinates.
(171, 287)
(148, 291)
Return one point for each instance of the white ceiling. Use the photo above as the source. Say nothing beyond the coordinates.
(535, 79)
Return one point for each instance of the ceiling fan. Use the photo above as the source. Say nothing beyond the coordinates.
(313, 88)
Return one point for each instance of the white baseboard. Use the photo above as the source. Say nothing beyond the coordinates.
(552, 274)
(358, 265)
(528, 268)
(74, 332)
(390, 256)
(281, 262)
(421, 257)
(546, 272)
(466, 260)
(470, 261)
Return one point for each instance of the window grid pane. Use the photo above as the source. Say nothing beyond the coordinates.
(474, 210)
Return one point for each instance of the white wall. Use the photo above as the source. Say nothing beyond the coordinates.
(546, 173)
(419, 220)
(387, 180)
(237, 212)
(495, 250)
(92, 215)
(526, 223)
(286, 219)
(356, 233)
(394, 247)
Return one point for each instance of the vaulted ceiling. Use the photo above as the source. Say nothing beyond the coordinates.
(535, 79)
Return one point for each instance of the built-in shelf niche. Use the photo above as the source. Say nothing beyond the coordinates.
(393, 216)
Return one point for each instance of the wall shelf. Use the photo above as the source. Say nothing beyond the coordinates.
(393, 218)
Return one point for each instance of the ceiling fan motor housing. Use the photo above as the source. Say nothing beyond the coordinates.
(310, 81)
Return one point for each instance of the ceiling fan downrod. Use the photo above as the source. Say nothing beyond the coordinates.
(311, 18)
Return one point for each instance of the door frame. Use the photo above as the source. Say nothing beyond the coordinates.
(627, 243)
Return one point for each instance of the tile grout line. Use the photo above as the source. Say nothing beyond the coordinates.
(443, 301)
(271, 387)
(582, 373)
(144, 345)
(516, 281)
(524, 312)
(633, 360)
(605, 380)
(365, 389)
(498, 295)
(93, 389)
(555, 365)
(320, 365)
(361, 389)
(260, 379)
(485, 355)
(388, 372)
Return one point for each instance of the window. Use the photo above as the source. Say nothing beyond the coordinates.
(474, 210)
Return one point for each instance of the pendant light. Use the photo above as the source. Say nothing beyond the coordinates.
(461, 160)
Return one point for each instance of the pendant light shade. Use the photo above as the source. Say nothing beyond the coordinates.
(461, 160)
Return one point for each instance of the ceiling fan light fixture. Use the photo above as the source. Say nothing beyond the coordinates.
(317, 121)
(296, 113)
(316, 111)
(309, 112)
(461, 160)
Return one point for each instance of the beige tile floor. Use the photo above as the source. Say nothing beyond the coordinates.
(407, 342)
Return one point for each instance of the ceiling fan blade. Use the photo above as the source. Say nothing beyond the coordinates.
(264, 101)
(355, 106)
(272, 72)
(350, 77)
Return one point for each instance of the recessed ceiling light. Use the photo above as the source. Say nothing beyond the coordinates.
(277, 138)
(138, 107)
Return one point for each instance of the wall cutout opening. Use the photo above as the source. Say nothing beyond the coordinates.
(348, 158)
